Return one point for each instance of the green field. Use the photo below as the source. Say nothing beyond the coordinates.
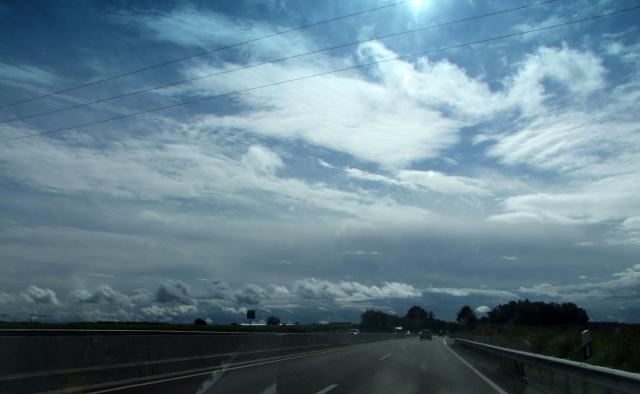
(614, 345)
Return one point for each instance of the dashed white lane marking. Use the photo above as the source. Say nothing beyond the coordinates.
(212, 370)
(215, 376)
(272, 389)
(494, 386)
(327, 389)
(385, 356)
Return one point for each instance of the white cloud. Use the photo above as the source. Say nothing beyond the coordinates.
(345, 291)
(193, 26)
(167, 313)
(593, 147)
(466, 292)
(466, 99)
(177, 300)
(310, 289)
(446, 184)
(19, 75)
(37, 295)
(326, 164)
(579, 72)
(626, 53)
(483, 186)
(569, 141)
(632, 223)
(262, 160)
(607, 199)
(102, 294)
(152, 170)
(624, 285)
(371, 177)
(199, 185)
(347, 112)
(360, 253)
(236, 311)
(481, 311)
(6, 298)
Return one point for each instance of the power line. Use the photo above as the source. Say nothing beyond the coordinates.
(136, 92)
(207, 52)
(441, 49)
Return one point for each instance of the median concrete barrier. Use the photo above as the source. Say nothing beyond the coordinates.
(38, 361)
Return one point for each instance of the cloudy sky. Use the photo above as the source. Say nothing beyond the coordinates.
(470, 175)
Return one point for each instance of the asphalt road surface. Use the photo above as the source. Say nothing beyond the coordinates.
(396, 366)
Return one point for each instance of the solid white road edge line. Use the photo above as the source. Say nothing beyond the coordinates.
(327, 389)
(385, 356)
(471, 367)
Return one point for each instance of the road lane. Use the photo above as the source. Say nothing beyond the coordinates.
(398, 366)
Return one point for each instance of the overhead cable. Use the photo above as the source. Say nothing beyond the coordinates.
(282, 59)
(199, 54)
(441, 49)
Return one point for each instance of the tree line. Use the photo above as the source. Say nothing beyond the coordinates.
(416, 319)
(521, 312)
(528, 313)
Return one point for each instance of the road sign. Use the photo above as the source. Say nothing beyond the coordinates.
(251, 314)
(585, 336)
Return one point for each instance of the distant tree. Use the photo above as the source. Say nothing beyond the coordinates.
(466, 317)
(200, 322)
(416, 312)
(378, 321)
(538, 314)
(416, 318)
(273, 320)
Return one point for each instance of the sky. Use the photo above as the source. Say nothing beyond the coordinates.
(474, 175)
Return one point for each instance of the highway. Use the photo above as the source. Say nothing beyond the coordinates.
(394, 366)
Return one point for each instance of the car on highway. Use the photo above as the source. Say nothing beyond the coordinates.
(425, 334)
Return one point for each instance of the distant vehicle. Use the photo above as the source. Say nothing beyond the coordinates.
(354, 331)
(426, 334)
(408, 332)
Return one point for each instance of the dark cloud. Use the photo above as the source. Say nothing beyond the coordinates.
(36, 295)
(174, 291)
(102, 294)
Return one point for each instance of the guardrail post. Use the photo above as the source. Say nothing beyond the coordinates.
(521, 370)
(567, 385)
(570, 373)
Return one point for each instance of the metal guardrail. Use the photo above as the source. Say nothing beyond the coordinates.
(611, 380)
